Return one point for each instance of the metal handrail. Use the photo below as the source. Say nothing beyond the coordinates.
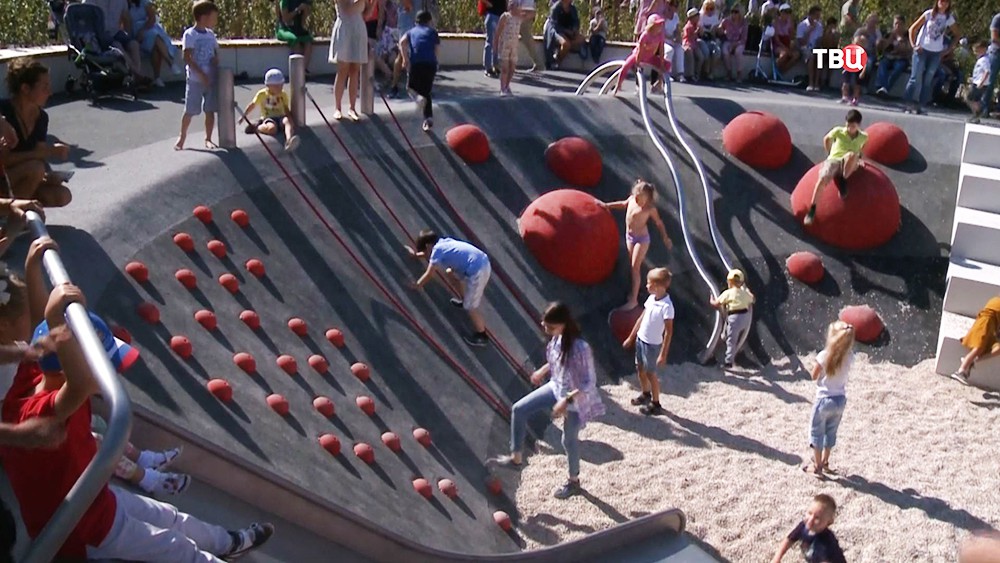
(98, 472)
(597, 72)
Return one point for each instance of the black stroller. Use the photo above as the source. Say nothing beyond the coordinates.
(103, 68)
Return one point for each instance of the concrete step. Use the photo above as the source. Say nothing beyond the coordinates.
(950, 351)
(981, 145)
(979, 188)
(970, 285)
(976, 235)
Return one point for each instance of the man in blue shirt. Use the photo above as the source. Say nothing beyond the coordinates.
(465, 262)
(419, 48)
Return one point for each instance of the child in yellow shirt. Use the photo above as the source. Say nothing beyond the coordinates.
(274, 109)
(736, 302)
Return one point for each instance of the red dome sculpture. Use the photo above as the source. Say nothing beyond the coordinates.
(138, 271)
(469, 143)
(868, 218)
(887, 143)
(867, 323)
(572, 236)
(448, 488)
(759, 139)
(622, 322)
(221, 389)
(575, 161)
(324, 406)
(805, 267)
(330, 443)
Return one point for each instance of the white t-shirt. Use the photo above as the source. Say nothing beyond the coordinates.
(204, 45)
(709, 23)
(982, 69)
(803, 29)
(670, 26)
(769, 6)
(931, 35)
(835, 384)
(654, 317)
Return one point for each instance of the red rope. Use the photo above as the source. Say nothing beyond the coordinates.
(495, 403)
(503, 350)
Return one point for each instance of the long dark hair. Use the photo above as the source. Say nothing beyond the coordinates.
(558, 313)
(934, 9)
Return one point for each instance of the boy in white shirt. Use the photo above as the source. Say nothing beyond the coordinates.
(651, 337)
(201, 55)
(980, 80)
(808, 33)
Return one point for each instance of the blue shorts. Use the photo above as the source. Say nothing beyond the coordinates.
(826, 416)
(645, 355)
(199, 97)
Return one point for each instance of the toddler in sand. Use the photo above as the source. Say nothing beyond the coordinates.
(651, 337)
(736, 302)
(814, 536)
(640, 208)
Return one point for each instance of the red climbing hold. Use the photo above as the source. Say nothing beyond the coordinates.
(251, 319)
(887, 143)
(121, 333)
(366, 404)
(181, 346)
(805, 267)
(278, 403)
(361, 371)
(448, 488)
(330, 443)
(503, 520)
(245, 362)
(469, 143)
(391, 441)
(203, 214)
(240, 217)
(148, 312)
(298, 326)
(335, 337)
(255, 267)
(622, 321)
(759, 139)
(364, 452)
(422, 436)
(867, 323)
(576, 161)
(217, 247)
(221, 389)
(184, 241)
(206, 319)
(324, 406)
(229, 282)
(318, 363)
(138, 271)
(187, 278)
(494, 486)
(287, 364)
(423, 487)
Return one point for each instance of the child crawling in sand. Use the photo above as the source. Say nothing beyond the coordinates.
(640, 208)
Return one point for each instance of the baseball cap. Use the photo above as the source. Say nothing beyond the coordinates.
(654, 19)
(735, 275)
(274, 77)
(785, 8)
(122, 355)
(692, 12)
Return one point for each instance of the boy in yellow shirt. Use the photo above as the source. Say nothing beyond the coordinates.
(844, 145)
(736, 302)
(274, 109)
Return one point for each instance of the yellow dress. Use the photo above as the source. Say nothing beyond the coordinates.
(983, 334)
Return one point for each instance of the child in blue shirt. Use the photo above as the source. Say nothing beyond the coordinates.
(202, 58)
(419, 48)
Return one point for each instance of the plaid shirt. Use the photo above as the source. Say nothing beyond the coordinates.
(576, 373)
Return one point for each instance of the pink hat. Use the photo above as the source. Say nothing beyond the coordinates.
(654, 19)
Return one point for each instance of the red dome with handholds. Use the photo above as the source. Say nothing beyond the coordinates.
(868, 217)
(287, 364)
(181, 346)
(298, 326)
(366, 404)
(364, 452)
(186, 278)
(572, 235)
(759, 139)
(148, 312)
(245, 362)
(361, 371)
(423, 487)
(805, 267)
(324, 406)
(335, 337)
(184, 242)
(240, 217)
(330, 443)
(391, 441)
(448, 488)
(138, 271)
(203, 213)
(251, 319)
(318, 363)
(221, 389)
(503, 520)
(206, 319)
(576, 161)
(887, 143)
(256, 267)
(422, 436)
(217, 247)
(278, 404)
(622, 322)
(469, 143)
(868, 325)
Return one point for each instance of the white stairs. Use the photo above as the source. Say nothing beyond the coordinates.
(974, 269)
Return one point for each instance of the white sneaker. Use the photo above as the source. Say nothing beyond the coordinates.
(165, 483)
(428, 123)
(247, 539)
(158, 460)
(159, 83)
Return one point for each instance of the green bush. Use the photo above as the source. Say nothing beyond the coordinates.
(24, 22)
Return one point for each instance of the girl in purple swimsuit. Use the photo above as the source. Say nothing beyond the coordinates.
(640, 208)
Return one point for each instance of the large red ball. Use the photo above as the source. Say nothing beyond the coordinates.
(576, 161)
(867, 218)
(887, 143)
(759, 139)
(805, 267)
(867, 323)
(572, 236)
(469, 143)
(622, 322)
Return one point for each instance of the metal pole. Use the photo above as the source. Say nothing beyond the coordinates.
(297, 85)
(368, 87)
(98, 472)
(227, 119)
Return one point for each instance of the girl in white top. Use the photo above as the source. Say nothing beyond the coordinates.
(833, 365)
(927, 39)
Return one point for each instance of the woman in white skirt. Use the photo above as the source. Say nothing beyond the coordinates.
(349, 50)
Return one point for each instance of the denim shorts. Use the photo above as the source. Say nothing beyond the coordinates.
(826, 416)
(645, 355)
(198, 97)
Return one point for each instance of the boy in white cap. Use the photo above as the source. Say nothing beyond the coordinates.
(274, 110)
(736, 302)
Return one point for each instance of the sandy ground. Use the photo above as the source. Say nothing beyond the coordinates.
(916, 462)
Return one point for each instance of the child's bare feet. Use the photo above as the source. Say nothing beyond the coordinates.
(210, 145)
(179, 145)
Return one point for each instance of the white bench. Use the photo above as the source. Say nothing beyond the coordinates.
(981, 145)
(986, 374)
(976, 235)
(979, 187)
(970, 285)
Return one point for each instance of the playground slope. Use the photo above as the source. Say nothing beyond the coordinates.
(311, 277)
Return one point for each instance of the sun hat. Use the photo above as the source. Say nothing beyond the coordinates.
(692, 13)
(122, 355)
(786, 7)
(735, 275)
(274, 77)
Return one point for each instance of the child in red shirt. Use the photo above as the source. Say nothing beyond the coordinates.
(648, 50)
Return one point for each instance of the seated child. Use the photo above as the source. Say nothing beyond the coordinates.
(813, 534)
(275, 110)
(736, 302)
(144, 468)
(651, 337)
(844, 146)
(598, 34)
(976, 96)
(648, 50)
(690, 40)
(983, 339)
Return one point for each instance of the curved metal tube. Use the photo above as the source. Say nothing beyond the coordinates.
(611, 82)
(597, 72)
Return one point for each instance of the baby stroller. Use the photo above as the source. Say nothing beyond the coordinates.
(103, 68)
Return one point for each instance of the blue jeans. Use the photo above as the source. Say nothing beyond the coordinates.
(491, 58)
(921, 84)
(541, 399)
(994, 69)
(826, 416)
(888, 72)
